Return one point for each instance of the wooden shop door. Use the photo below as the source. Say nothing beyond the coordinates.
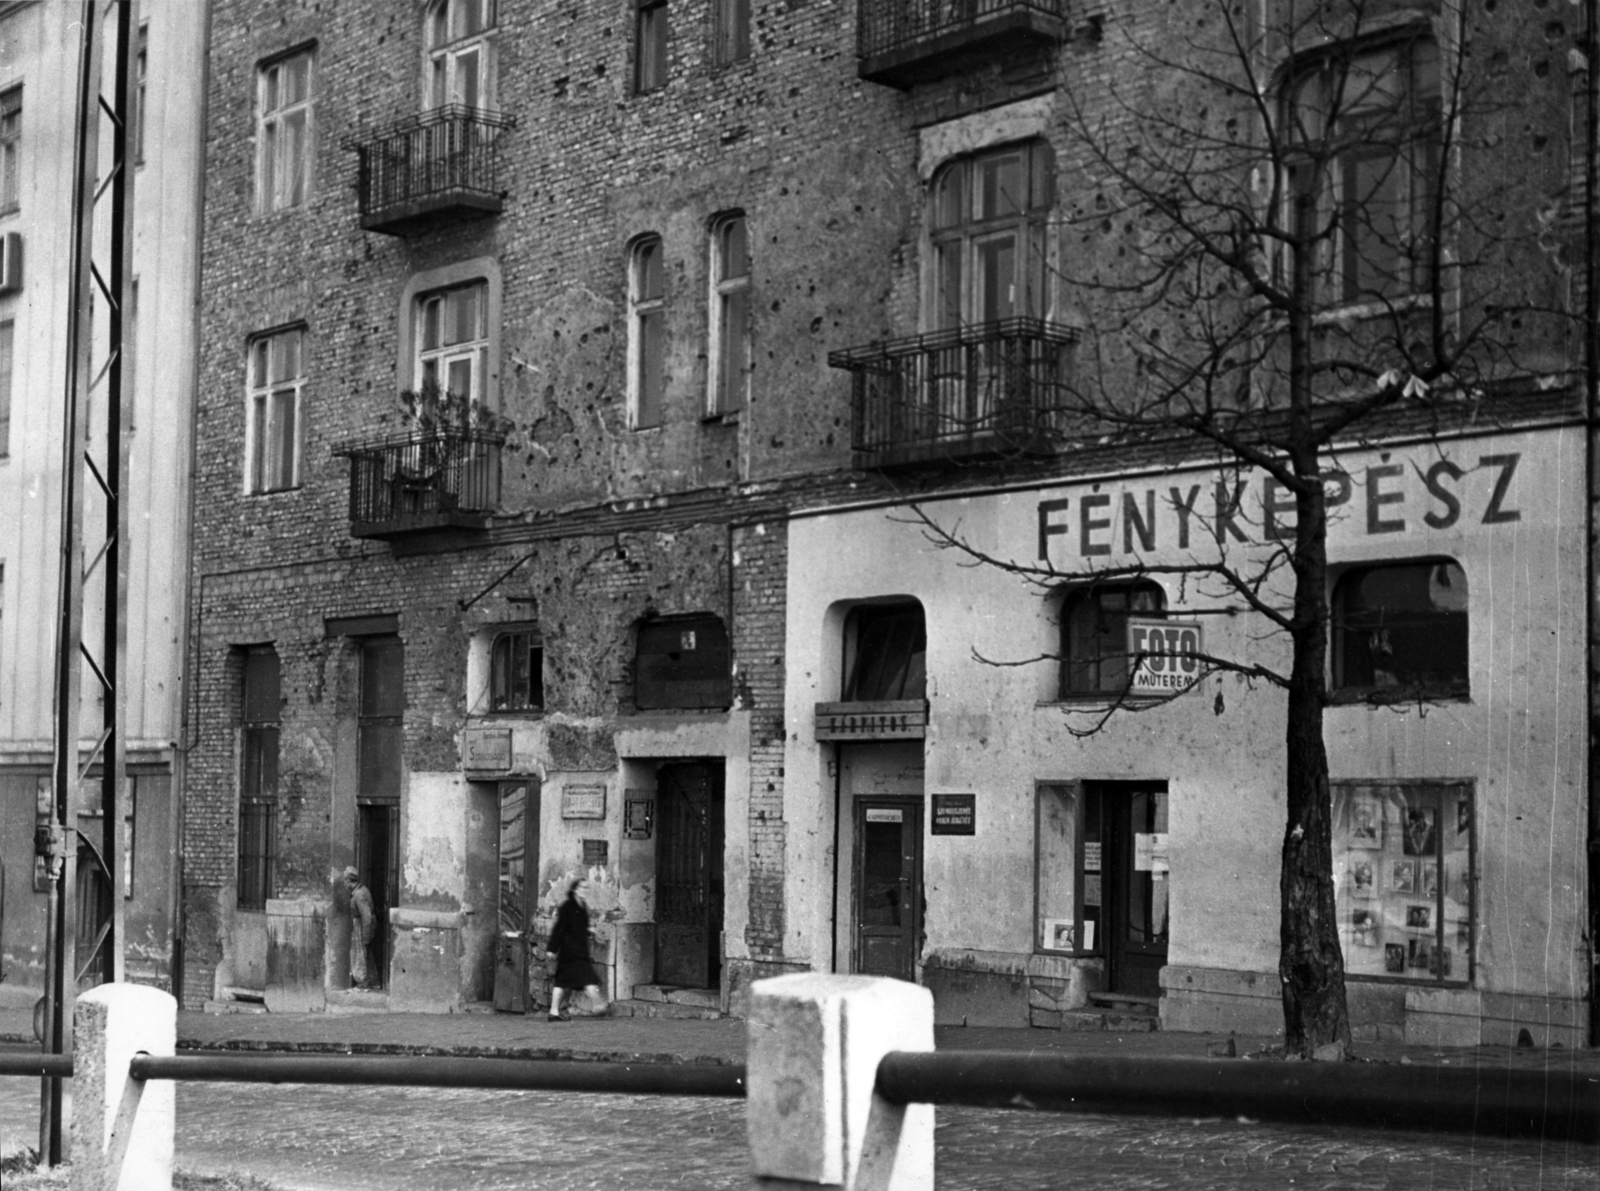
(888, 886)
(1136, 885)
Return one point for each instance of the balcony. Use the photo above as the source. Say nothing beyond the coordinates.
(992, 389)
(430, 170)
(427, 482)
(903, 42)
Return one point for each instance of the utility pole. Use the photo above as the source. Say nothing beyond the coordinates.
(94, 466)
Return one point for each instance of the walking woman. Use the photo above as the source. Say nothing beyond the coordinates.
(569, 949)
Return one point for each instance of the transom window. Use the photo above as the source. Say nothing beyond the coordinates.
(730, 314)
(516, 671)
(1367, 125)
(276, 384)
(1400, 630)
(459, 52)
(453, 341)
(647, 333)
(886, 653)
(988, 216)
(284, 135)
(1094, 635)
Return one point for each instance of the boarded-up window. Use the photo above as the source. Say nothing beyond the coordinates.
(684, 662)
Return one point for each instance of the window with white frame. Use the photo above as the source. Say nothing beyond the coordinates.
(460, 53)
(730, 314)
(10, 149)
(1366, 125)
(988, 214)
(647, 333)
(452, 338)
(732, 30)
(284, 134)
(272, 436)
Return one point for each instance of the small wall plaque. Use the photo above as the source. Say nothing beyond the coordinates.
(638, 815)
(955, 814)
(595, 853)
(583, 802)
(488, 748)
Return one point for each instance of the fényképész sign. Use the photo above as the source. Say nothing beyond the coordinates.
(1163, 655)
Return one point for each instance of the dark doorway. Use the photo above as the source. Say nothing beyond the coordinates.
(1136, 885)
(689, 874)
(519, 890)
(888, 886)
(378, 861)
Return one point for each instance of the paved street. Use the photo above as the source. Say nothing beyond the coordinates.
(323, 1139)
(319, 1138)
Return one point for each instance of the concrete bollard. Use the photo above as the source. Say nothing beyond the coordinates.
(813, 1117)
(122, 1129)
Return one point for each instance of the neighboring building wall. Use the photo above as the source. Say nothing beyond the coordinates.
(39, 49)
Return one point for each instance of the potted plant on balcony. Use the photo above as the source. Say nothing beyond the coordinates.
(446, 465)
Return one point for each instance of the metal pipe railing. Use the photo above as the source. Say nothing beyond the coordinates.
(887, 25)
(1555, 1104)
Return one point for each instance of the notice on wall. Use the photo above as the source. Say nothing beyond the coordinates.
(638, 814)
(488, 748)
(595, 853)
(1091, 856)
(955, 814)
(583, 802)
(1150, 852)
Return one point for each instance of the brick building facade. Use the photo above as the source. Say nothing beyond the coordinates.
(722, 289)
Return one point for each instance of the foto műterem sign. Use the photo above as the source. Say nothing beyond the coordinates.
(1164, 655)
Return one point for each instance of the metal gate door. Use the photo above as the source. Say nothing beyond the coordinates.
(689, 875)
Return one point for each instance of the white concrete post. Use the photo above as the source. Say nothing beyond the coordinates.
(813, 1117)
(122, 1129)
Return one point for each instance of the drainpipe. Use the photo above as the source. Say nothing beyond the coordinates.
(1591, 384)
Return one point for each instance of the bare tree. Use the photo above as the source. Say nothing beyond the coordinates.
(1289, 223)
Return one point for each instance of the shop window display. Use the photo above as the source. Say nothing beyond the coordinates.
(1402, 869)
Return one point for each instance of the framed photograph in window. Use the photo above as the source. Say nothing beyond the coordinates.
(1058, 934)
(1363, 879)
(1428, 880)
(1403, 876)
(1394, 958)
(1419, 917)
(1419, 838)
(1366, 822)
(1364, 928)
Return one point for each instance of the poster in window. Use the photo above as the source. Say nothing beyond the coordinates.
(1058, 934)
(1394, 957)
(1091, 856)
(1088, 934)
(1463, 815)
(1091, 889)
(1421, 953)
(1364, 928)
(1366, 823)
(1419, 838)
(1403, 876)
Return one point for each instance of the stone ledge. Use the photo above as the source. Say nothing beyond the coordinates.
(406, 918)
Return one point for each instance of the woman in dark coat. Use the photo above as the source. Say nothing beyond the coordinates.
(569, 948)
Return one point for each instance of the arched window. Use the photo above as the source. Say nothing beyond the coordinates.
(1400, 629)
(647, 339)
(460, 62)
(885, 653)
(987, 218)
(1094, 635)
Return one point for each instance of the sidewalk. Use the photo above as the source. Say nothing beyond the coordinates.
(670, 1040)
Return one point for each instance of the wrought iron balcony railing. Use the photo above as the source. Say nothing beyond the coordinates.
(902, 42)
(988, 389)
(430, 169)
(424, 481)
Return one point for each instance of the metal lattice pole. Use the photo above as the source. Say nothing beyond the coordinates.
(92, 463)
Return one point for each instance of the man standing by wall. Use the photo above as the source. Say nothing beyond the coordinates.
(363, 928)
